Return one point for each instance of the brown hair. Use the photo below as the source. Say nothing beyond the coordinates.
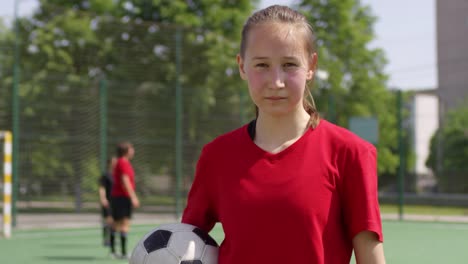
(284, 14)
(110, 163)
(122, 148)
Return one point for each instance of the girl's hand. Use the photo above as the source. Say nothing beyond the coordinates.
(135, 202)
(105, 203)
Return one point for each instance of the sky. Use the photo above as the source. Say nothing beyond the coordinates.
(405, 31)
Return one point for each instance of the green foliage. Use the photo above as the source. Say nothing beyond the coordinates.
(68, 47)
(6, 73)
(91, 170)
(356, 82)
(449, 151)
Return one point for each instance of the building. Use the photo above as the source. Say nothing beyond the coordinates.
(424, 122)
(452, 52)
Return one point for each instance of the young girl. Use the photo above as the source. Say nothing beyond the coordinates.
(123, 196)
(105, 187)
(288, 187)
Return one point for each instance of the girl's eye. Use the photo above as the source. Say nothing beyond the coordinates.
(261, 65)
(289, 65)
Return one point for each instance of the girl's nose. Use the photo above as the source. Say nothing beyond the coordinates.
(277, 78)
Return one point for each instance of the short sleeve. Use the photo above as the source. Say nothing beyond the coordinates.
(359, 191)
(126, 168)
(200, 210)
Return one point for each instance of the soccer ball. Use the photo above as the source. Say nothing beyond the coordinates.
(176, 243)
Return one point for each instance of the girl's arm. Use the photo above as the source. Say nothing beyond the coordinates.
(368, 249)
(102, 197)
(128, 187)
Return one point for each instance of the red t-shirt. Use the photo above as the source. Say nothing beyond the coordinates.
(302, 205)
(122, 167)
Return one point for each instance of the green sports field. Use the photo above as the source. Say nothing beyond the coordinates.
(405, 242)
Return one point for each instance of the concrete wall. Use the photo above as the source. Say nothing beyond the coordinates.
(452, 51)
(425, 124)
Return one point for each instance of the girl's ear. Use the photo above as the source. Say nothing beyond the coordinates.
(312, 66)
(240, 63)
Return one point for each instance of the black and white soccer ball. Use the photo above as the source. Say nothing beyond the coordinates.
(175, 243)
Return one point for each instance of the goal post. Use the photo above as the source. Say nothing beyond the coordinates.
(7, 181)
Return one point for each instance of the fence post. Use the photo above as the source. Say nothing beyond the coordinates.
(15, 113)
(401, 156)
(103, 124)
(179, 123)
(7, 186)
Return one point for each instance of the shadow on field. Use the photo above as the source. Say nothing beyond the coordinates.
(71, 245)
(70, 258)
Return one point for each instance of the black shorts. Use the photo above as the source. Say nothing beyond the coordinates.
(121, 208)
(105, 211)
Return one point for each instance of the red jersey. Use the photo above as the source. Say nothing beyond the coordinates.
(122, 167)
(301, 205)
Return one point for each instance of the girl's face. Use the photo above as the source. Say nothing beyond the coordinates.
(131, 152)
(276, 66)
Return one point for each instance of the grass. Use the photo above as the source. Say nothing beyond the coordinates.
(424, 210)
(405, 242)
(385, 208)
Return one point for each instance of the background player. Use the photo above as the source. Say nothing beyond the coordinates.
(105, 186)
(123, 196)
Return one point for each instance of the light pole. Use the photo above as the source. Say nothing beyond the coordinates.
(401, 151)
(179, 123)
(15, 113)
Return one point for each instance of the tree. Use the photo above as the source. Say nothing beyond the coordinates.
(6, 75)
(449, 151)
(356, 82)
(69, 46)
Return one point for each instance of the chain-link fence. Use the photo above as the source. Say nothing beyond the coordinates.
(61, 137)
(114, 80)
(87, 82)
